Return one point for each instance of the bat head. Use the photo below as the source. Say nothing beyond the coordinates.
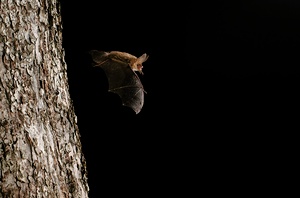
(139, 62)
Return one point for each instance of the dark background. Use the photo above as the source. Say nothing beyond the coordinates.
(222, 87)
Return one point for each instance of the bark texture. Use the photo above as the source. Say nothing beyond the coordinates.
(40, 149)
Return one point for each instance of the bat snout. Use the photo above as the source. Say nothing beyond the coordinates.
(140, 67)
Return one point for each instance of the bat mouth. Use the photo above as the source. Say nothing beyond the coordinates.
(139, 68)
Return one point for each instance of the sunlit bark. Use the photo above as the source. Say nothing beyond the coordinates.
(40, 149)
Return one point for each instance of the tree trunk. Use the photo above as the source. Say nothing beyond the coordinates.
(40, 148)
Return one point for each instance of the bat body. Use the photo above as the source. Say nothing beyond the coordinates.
(120, 68)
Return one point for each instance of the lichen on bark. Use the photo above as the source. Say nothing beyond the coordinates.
(40, 149)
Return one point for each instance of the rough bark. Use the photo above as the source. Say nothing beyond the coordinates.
(40, 149)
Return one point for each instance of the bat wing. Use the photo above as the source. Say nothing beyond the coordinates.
(123, 81)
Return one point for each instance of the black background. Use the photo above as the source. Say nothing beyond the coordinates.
(221, 80)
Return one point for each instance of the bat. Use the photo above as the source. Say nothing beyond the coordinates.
(120, 69)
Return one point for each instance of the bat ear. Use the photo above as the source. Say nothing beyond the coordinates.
(142, 58)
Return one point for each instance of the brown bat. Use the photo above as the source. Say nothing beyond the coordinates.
(120, 68)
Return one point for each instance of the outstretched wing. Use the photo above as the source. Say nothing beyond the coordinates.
(122, 80)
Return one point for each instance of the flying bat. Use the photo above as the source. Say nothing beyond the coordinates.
(120, 69)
